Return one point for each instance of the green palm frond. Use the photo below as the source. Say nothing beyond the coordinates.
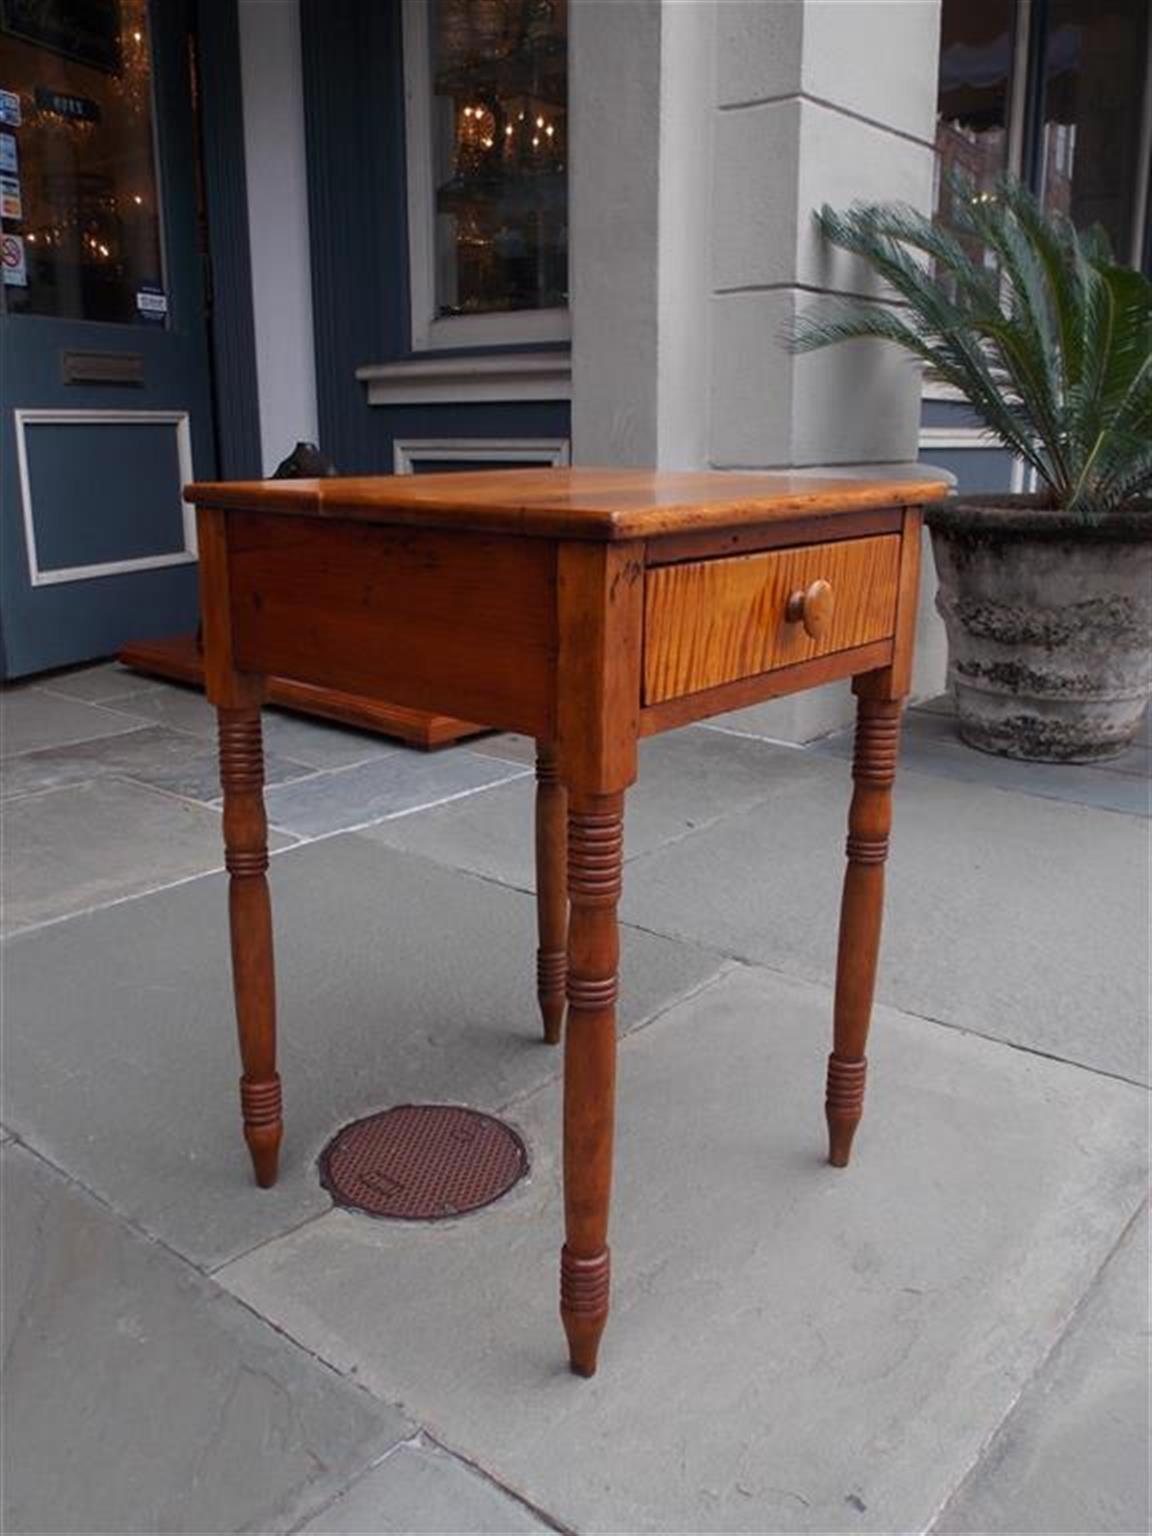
(1051, 345)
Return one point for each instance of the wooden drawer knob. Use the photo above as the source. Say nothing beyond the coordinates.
(812, 608)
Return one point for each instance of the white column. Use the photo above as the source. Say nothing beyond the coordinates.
(278, 225)
(614, 220)
(704, 137)
(642, 86)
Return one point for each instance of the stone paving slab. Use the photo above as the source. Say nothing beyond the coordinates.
(1006, 914)
(67, 850)
(687, 779)
(793, 1348)
(510, 745)
(99, 684)
(311, 741)
(164, 759)
(794, 718)
(142, 1398)
(31, 718)
(397, 981)
(420, 1488)
(1072, 1457)
(390, 785)
(930, 745)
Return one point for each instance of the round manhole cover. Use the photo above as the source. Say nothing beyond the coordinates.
(422, 1162)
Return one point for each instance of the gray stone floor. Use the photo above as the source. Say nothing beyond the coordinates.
(951, 1337)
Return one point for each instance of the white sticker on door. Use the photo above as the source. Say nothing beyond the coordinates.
(12, 260)
(10, 109)
(9, 158)
(151, 303)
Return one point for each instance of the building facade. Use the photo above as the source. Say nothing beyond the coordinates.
(439, 233)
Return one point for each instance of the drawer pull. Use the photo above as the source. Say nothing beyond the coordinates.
(812, 608)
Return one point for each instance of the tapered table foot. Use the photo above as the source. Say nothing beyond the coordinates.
(843, 1107)
(263, 1127)
(584, 1286)
(551, 971)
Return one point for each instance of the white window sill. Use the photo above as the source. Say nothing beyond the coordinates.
(502, 376)
(517, 328)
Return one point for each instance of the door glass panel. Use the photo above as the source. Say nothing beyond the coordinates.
(80, 167)
(1094, 61)
(973, 102)
(500, 147)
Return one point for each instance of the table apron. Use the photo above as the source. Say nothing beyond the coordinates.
(463, 623)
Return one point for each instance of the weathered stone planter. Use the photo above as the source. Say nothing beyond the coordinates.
(1049, 620)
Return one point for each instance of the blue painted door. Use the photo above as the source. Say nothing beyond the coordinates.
(104, 366)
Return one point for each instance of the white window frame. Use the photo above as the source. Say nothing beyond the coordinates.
(429, 331)
(967, 439)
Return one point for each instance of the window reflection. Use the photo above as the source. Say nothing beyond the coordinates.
(88, 217)
(976, 55)
(1094, 60)
(1086, 93)
(500, 127)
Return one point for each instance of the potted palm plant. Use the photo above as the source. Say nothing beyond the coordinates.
(1046, 596)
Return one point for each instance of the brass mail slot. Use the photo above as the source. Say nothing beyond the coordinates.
(102, 367)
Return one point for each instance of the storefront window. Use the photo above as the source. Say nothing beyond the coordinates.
(1086, 94)
(972, 122)
(500, 152)
(1095, 58)
(78, 176)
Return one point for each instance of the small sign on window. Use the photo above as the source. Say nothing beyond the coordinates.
(12, 260)
(77, 109)
(151, 304)
(11, 198)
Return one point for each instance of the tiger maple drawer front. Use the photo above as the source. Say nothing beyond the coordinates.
(709, 622)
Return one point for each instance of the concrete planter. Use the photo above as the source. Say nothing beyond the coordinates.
(1049, 621)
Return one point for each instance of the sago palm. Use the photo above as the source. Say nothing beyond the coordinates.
(1050, 344)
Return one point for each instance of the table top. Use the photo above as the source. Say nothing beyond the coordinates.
(603, 505)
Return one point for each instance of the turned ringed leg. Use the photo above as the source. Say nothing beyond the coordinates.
(861, 913)
(595, 863)
(250, 920)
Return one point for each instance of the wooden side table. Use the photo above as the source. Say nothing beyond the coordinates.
(586, 608)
